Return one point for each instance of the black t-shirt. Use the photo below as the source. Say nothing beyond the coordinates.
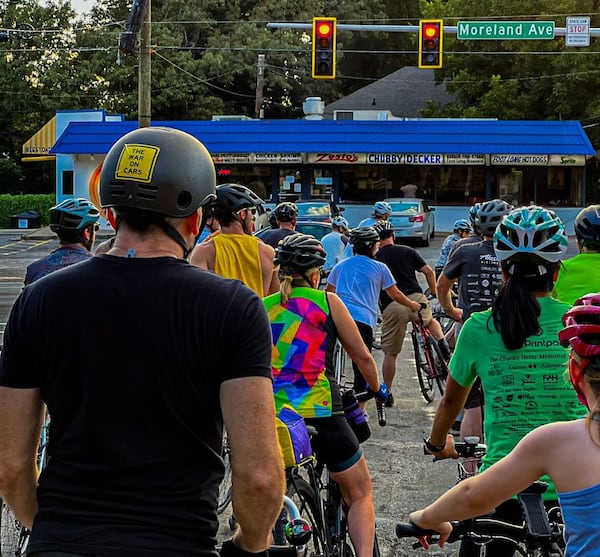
(272, 237)
(403, 262)
(479, 275)
(129, 356)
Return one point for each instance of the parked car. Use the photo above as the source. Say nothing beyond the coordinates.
(317, 211)
(412, 218)
(316, 229)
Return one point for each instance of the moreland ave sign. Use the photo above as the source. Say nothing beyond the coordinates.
(503, 30)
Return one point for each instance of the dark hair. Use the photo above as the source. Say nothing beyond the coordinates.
(516, 311)
(362, 249)
(137, 220)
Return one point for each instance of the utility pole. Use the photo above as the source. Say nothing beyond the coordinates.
(144, 96)
(260, 78)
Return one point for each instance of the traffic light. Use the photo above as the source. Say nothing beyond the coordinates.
(323, 48)
(430, 43)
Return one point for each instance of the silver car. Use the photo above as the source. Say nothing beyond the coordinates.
(412, 218)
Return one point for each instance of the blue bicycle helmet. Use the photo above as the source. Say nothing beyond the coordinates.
(462, 225)
(340, 222)
(382, 208)
(587, 225)
(73, 214)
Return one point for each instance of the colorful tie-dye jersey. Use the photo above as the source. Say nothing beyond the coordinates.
(303, 340)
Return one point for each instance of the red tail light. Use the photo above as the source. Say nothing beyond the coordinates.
(416, 218)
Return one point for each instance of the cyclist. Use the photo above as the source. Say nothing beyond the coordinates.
(577, 276)
(556, 450)
(381, 211)
(403, 262)
(134, 455)
(235, 253)
(75, 223)
(305, 323)
(475, 267)
(211, 226)
(286, 214)
(335, 242)
(358, 281)
(521, 367)
(461, 229)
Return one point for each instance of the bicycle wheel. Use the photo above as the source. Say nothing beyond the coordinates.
(10, 532)
(437, 364)
(303, 495)
(423, 374)
(225, 487)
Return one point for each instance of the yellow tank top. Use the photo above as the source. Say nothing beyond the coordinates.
(236, 256)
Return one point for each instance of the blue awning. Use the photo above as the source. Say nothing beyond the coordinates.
(468, 137)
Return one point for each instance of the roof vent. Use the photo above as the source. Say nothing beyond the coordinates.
(313, 108)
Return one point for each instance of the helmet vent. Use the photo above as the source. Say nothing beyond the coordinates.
(184, 200)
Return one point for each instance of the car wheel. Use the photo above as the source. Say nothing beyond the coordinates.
(432, 236)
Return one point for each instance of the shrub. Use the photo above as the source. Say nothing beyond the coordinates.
(14, 204)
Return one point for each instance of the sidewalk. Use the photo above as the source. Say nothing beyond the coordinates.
(45, 233)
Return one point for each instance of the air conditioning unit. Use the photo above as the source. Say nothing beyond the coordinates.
(234, 117)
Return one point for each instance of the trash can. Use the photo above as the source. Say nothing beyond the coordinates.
(27, 219)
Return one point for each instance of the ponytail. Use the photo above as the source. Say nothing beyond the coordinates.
(288, 279)
(516, 311)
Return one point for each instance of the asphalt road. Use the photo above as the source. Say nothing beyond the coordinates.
(403, 478)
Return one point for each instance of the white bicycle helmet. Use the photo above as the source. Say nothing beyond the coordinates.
(341, 222)
(489, 216)
(531, 231)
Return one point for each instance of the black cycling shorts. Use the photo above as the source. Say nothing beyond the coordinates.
(335, 443)
(475, 397)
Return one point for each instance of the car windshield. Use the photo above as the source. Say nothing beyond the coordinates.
(400, 207)
(313, 209)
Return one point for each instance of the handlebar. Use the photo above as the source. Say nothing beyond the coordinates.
(367, 395)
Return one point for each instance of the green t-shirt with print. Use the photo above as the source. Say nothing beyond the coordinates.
(523, 388)
(577, 276)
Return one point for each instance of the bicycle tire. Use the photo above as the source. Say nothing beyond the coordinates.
(226, 484)
(302, 493)
(423, 375)
(10, 532)
(440, 367)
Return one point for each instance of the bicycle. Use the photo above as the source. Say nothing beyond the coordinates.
(320, 502)
(225, 486)
(539, 535)
(432, 368)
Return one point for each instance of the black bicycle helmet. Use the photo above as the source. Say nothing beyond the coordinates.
(384, 228)
(489, 216)
(158, 170)
(587, 224)
(364, 236)
(73, 214)
(286, 211)
(299, 252)
(232, 198)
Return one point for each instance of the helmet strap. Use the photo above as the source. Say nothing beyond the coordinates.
(175, 235)
(576, 368)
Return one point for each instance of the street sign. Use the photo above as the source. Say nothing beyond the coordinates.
(578, 31)
(505, 30)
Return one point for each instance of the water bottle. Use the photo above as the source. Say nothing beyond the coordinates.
(355, 416)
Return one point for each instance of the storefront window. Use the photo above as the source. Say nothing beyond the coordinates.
(257, 178)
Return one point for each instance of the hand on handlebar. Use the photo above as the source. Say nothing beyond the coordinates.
(447, 452)
(415, 306)
(444, 528)
(456, 314)
(382, 394)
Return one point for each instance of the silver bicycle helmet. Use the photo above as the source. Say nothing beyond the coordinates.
(286, 211)
(382, 208)
(531, 231)
(587, 224)
(489, 216)
(340, 222)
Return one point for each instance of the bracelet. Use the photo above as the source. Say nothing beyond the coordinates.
(433, 448)
(229, 549)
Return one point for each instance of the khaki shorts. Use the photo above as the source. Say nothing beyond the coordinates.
(395, 318)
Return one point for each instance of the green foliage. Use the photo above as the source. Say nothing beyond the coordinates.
(11, 205)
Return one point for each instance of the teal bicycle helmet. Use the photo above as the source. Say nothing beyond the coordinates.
(531, 231)
(73, 214)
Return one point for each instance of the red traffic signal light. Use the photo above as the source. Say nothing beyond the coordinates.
(323, 47)
(430, 43)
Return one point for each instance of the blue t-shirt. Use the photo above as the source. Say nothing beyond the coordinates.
(334, 246)
(369, 221)
(358, 281)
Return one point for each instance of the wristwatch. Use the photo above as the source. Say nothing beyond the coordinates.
(433, 448)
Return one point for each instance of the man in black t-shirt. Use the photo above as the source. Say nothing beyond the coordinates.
(141, 358)
(286, 214)
(403, 262)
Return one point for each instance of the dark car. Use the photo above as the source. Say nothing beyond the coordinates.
(317, 211)
(316, 229)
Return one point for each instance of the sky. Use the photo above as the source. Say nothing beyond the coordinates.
(82, 6)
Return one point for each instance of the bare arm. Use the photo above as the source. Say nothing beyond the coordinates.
(21, 417)
(481, 493)
(352, 341)
(329, 288)
(203, 255)
(444, 289)
(430, 278)
(451, 404)
(269, 271)
(399, 297)
(257, 466)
